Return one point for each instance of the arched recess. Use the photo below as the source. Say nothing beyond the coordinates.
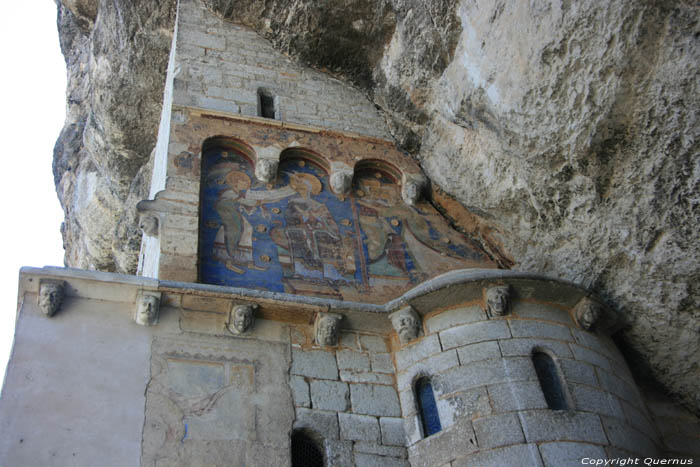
(374, 166)
(551, 380)
(307, 449)
(306, 155)
(427, 407)
(227, 172)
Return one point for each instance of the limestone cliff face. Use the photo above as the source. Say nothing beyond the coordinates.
(569, 127)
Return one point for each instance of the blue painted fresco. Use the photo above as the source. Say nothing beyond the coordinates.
(296, 236)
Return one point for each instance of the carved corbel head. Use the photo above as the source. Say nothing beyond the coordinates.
(241, 318)
(51, 294)
(497, 300)
(341, 181)
(411, 188)
(327, 328)
(147, 308)
(149, 223)
(266, 170)
(587, 313)
(150, 212)
(406, 323)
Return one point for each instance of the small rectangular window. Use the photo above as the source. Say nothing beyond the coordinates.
(267, 105)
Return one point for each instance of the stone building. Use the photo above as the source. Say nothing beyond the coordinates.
(300, 302)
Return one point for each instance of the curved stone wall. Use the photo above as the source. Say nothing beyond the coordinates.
(491, 406)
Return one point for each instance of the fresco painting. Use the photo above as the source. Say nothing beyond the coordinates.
(297, 236)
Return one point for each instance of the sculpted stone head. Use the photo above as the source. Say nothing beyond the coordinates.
(498, 300)
(341, 182)
(326, 328)
(241, 318)
(148, 223)
(147, 308)
(266, 170)
(406, 323)
(586, 313)
(411, 189)
(51, 296)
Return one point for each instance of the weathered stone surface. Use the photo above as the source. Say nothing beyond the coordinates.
(359, 427)
(574, 142)
(116, 65)
(329, 395)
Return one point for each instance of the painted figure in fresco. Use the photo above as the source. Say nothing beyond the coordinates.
(498, 300)
(586, 313)
(241, 318)
(406, 323)
(147, 310)
(233, 241)
(326, 328)
(51, 296)
(396, 232)
(310, 241)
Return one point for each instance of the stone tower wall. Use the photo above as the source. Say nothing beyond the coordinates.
(489, 399)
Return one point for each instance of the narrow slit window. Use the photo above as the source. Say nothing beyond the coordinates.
(427, 407)
(305, 452)
(266, 104)
(550, 381)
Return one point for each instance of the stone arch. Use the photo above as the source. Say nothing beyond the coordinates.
(306, 155)
(231, 143)
(390, 170)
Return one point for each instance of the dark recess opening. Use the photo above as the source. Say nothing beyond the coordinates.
(427, 407)
(305, 452)
(267, 104)
(550, 381)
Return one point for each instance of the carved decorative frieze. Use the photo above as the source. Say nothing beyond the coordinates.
(497, 301)
(326, 328)
(406, 323)
(51, 294)
(587, 313)
(241, 318)
(147, 308)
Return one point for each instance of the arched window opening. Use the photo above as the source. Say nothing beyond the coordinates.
(550, 381)
(266, 104)
(305, 452)
(430, 419)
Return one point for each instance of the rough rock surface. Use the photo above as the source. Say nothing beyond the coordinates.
(569, 128)
(116, 56)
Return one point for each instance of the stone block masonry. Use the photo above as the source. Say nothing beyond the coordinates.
(222, 66)
(347, 393)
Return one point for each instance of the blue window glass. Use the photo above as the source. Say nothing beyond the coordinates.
(427, 407)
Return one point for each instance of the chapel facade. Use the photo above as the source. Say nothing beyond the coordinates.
(301, 301)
